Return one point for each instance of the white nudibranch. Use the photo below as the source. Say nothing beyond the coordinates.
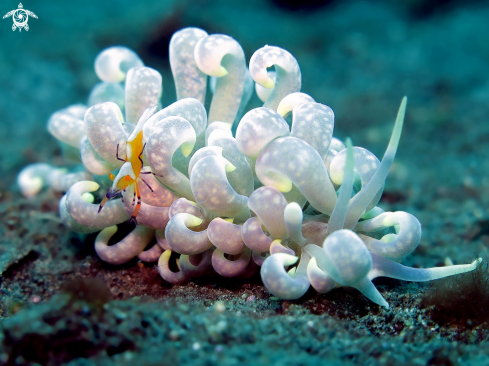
(228, 191)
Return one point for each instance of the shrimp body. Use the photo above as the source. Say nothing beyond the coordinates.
(128, 174)
(131, 169)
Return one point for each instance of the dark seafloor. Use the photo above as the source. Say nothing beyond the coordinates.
(359, 58)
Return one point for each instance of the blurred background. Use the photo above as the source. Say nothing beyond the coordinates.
(358, 57)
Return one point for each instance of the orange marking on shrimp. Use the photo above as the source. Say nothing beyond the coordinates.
(134, 151)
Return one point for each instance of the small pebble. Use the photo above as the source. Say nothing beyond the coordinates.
(219, 348)
(220, 307)
(35, 299)
(174, 335)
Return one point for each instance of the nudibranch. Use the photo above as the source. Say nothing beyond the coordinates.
(231, 192)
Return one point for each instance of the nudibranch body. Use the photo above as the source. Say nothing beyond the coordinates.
(292, 202)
